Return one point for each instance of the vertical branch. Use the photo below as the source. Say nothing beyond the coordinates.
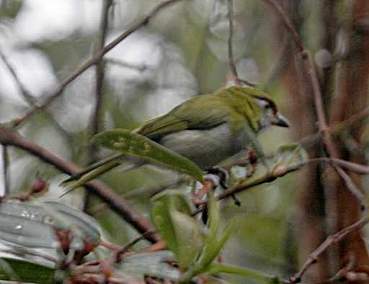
(352, 97)
(345, 213)
(5, 157)
(96, 118)
(99, 69)
(232, 64)
(231, 61)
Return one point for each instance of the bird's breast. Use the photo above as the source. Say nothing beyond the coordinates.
(205, 147)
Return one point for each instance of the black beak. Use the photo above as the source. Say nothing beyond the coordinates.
(281, 121)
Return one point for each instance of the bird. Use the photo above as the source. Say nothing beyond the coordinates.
(206, 129)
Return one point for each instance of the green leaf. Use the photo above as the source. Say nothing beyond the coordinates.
(249, 274)
(140, 146)
(171, 215)
(189, 238)
(24, 271)
(214, 218)
(212, 249)
(212, 244)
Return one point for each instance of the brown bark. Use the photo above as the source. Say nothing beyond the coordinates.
(352, 98)
(310, 209)
(325, 205)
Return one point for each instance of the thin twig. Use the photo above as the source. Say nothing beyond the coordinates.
(332, 239)
(5, 156)
(114, 200)
(96, 117)
(335, 128)
(318, 102)
(286, 21)
(28, 97)
(123, 64)
(232, 64)
(92, 61)
(267, 178)
(231, 61)
(100, 68)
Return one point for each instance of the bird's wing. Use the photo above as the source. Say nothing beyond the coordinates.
(202, 112)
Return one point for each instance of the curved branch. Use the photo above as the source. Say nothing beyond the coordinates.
(114, 201)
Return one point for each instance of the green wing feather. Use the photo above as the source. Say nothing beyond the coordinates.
(207, 111)
(201, 112)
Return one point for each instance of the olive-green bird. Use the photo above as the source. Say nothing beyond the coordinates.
(207, 129)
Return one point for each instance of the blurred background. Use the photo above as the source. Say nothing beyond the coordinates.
(181, 53)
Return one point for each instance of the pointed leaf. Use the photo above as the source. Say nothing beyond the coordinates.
(249, 274)
(171, 215)
(212, 249)
(189, 238)
(140, 146)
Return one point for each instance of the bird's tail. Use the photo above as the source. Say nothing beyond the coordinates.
(95, 170)
(104, 165)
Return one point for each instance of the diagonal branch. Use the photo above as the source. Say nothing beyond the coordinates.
(94, 60)
(23, 90)
(332, 239)
(318, 102)
(114, 201)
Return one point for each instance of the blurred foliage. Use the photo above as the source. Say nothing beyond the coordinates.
(181, 53)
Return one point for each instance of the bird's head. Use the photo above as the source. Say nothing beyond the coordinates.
(270, 114)
(255, 105)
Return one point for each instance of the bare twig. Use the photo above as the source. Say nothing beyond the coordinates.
(95, 59)
(286, 21)
(318, 102)
(123, 64)
(231, 61)
(95, 123)
(99, 70)
(115, 201)
(232, 64)
(268, 177)
(5, 156)
(332, 239)
(336, 128)
(28, 97)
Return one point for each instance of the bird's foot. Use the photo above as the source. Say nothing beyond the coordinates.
(215, 177)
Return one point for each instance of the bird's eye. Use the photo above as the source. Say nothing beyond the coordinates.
(267, 106)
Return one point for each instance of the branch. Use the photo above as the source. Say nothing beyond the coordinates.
(114, 201)
(123, 64)
(286, 21)
(94, 60)
(231, 62)
(318, 102)
(99, 70)
(332, 239)
(23, 90)
(268, 177)
(336, 128)
(5, 157)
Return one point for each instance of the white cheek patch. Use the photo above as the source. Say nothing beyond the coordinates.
(262, 103)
